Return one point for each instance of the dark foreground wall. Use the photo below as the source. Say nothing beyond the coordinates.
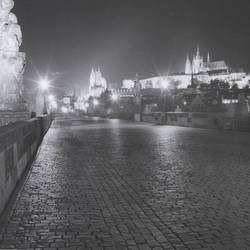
(18, 144)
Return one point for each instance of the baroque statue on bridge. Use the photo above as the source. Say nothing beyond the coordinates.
(12, 61)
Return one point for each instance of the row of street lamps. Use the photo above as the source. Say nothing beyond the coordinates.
(44, 85)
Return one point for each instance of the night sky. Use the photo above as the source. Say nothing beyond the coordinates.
(124, 37)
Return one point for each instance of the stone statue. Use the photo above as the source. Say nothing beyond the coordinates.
(11, 60)
(11, 35)
(5, 8)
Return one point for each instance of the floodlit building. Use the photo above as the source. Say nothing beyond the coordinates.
(97, 83)
(197, 70)
(198, 65)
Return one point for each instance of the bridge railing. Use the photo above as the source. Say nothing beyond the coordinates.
(18, 144)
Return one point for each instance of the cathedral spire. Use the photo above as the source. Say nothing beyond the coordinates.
(198, 52)
(208, 57)
(92, 77)
(188, 69)
(92, 70)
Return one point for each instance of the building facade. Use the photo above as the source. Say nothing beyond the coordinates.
(199, 65)
(97, 83)
(196, 70)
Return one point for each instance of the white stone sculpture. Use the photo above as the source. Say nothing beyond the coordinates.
(11, 60)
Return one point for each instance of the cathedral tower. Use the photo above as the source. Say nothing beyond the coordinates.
(188, 67)
(92, 78)
(197, 63)
(97, 83)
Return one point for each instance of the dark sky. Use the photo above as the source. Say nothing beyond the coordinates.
(128, 36)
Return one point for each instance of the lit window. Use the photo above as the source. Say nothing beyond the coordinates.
(226, 101)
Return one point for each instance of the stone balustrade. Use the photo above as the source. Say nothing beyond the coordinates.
(18, 144)
(7, 117)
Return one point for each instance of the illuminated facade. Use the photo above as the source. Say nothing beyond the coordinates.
(200, 71)
(97, 83)
(198, 65)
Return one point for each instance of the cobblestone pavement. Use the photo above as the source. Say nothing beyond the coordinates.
(103, 184)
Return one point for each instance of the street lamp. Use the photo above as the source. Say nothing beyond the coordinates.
(114, 97)
(51, 98)
(95, 102)
(164, 91)
(44, 85)
(164, 84)
(52, 102)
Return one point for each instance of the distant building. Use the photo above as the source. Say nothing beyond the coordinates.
(127, 84)
(68, 102)
(97, 83)
(197, 70)
(198, 65)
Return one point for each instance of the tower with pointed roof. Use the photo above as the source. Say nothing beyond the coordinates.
(188, 67)
(92, 78)
(208, 57)
(97, 83)
(197, 62)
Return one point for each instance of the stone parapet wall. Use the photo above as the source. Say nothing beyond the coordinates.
(199, 120)
(7, 117)
(18, 144)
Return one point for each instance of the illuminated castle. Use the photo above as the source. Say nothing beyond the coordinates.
(198, 65)
(197, 70)
(98, 83)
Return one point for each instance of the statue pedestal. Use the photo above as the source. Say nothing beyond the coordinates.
(7, 117)
(13, 112)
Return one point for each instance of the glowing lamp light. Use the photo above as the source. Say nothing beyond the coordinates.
(95, 102)
(114, 97)
(164, 84)
(44, 84)
(64, 110)
(51, 98)
(54, 105)
(85, 106)
(82, 106)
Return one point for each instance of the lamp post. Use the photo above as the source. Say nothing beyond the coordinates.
(114, 97)
(52, 103)
(95, 102)
(164, 90)
(44, 85)
(114, 105)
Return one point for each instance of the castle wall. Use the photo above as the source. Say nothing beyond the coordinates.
(182, 81)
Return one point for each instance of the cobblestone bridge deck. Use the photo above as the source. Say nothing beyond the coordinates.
(109, 184)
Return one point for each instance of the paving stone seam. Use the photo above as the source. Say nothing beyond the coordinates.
(155, 214)
(138, 203)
